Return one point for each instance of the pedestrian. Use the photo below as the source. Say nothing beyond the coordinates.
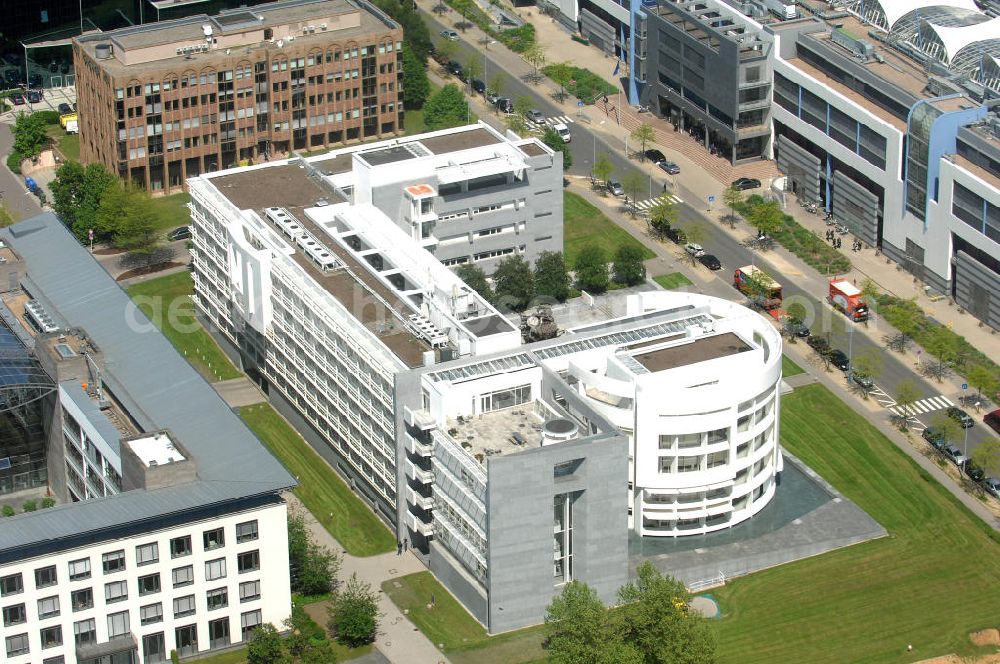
(664, 187)
(406, 541)
(399, 548)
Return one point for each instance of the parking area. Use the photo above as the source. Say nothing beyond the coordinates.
(50, 102)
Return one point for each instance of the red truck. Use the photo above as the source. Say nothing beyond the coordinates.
(760, 289)
(847, 298)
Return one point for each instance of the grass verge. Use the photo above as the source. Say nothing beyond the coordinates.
(167, 302)
(672, 280)
(320, 489)
(171, 211)
(67, 144)
(584, 224)
(789, 368)
(925, 584)
(449, 626)
(582, 83)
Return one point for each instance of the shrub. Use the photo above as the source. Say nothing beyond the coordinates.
(581, 40)
(588, 85)
(14, 160)
(48, 117)
(29, 506)
(519, 39)
(8, 510)
(47, 502)
(801, 242)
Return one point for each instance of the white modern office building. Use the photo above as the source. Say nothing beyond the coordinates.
(169, 531)
(511, 467)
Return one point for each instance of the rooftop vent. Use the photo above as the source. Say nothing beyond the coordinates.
(102, 51)
(558, 430)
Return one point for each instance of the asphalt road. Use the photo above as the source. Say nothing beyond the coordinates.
(19, 201)
(808, 289)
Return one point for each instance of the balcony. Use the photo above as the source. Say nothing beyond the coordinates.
(415, 498)
(416, 447)
(423, 476)
(413, 522)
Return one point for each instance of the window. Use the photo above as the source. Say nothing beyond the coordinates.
(17, 645)
(183, 576)
(249, 591)
(14, 615)
(118, 625)
(186, 639)
(505, 398)
(218, 599)
(114, 561)
(147, 554)
(151, 613)
(45, 576)
(688, 464)
(149, 584)
(85, 631)
(215, 569)
(213, 539)
(48, 607)
(249, 621)
(82, 599)
(218, 632)
(58, 659)
(79, 569)
(154, 649)
(180, 546)
(246, 532)
(116, 591)
(11, 585)
(247, 561)
(184, 606)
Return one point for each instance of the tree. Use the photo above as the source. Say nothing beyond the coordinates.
(907, 394)
(552, 139)
(662, 216)
(580, 629)
(766, 216)
(551, 277)
(732, 198)
(695, 233)
(137, 230)
(354, 615)
(897, 341)
(313, 568)
(514, 283)
(446, 51)
(935, 368)
(628, 267)
(643, 134)
(633, 182)
(415, 83)
(535, 56)
(603, 167)
(948, 427)
(797, 312)
(591, 269)
(561, 73)
(473, 68)
(870, 292)
(987, 456)
(29, 134)
(983, 380)
(867, 363)
(6, 216)
(76, 195)
(68, 188)
(498, 83)
(517, 124)
(265, 646)
(475, 278)
(655, 618)
(446, 108)
(522, 105)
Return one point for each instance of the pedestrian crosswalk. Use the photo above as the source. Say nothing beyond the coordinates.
(559, 119)
(650, 202)
(927, 405)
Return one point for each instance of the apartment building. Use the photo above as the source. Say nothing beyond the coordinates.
(163, 102)
(324, 275)
(152, 546)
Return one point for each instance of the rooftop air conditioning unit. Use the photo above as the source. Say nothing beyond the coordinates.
(322, 26)
(180, 51)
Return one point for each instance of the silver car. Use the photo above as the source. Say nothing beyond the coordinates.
(992, 486)
(615, 187)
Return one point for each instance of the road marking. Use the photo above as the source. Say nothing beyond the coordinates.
(928, 405)
(556, 119)
(650, 202)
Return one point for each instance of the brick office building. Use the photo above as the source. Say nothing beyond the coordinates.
(163, 102)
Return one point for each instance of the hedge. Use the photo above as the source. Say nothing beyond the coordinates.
(14, 162)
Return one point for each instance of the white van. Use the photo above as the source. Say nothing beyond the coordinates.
(563, 132)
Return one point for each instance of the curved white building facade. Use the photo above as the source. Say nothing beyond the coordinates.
(701, 407)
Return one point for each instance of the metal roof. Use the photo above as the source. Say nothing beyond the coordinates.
(150, 376)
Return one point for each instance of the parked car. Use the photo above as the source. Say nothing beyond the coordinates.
(954, 454)
(710, 261)
(492, 97)
(454, 67)
(819, 344)
(17, 99)
(64, 108)
(973, 471)
(797, 328)
(669, 167)
(655, 156)
(992, 420)
(563, 132)
(935, 437)
(992, 486)
(615, 187)
(746, 183)
(536, 116)
(694, 249)
(478, 86)
(960, 416)
(676, 235)
(34, 96)
(179, 233)
(862, 381)
(839, 359)
(505, 105)
(450, 35)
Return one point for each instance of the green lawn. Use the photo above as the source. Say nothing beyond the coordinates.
(320, 489)
(172, 211)
(672, 280)
(68, 144)
(789, 368)
(584, 224)
(167, 302)
(448, 625)
(934, 580)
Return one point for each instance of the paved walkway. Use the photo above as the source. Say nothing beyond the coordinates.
(239, 392)
(398, 639)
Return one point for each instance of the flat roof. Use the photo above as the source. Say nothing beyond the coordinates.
(389, 155)
(977, 170)
(476, 137)
(531, 149)
(286, 185)
(155, 450)
(700, 349)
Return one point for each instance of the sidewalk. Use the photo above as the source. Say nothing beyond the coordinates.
(398, 640)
